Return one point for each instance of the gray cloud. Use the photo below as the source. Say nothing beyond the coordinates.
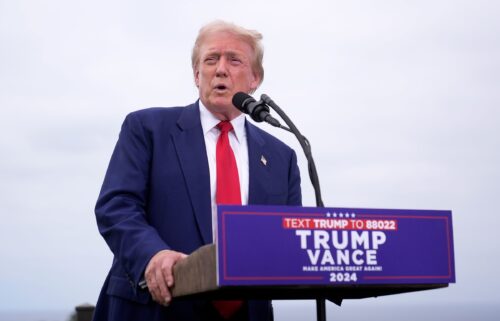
(400, 102)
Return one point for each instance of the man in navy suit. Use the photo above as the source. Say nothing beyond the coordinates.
(157, 202)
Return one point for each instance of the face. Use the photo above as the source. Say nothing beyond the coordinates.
(224, 68)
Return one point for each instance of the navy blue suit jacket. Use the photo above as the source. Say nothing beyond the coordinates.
(156, 196)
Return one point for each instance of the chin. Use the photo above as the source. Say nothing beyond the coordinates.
(222, 102)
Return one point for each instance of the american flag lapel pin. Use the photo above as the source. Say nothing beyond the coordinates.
(263, 160)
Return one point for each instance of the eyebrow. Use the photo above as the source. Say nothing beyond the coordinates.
(225, 53)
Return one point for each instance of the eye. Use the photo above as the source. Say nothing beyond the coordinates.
(235, 60)
(210, 60)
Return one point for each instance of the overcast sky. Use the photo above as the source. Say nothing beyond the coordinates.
(399, 99)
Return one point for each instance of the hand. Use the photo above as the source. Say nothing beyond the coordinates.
(159, 275)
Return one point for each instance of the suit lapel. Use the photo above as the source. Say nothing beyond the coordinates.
(190, 146)
(259, 172)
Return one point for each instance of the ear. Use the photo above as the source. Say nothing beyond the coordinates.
(197, 77)
(255, 82)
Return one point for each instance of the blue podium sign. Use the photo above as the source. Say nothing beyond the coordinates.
(282, 245)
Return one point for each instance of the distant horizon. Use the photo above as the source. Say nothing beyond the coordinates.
(288, 310)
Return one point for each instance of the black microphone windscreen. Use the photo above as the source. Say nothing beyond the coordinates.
(239, 100)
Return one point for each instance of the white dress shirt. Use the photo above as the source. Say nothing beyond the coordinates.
(239, 145)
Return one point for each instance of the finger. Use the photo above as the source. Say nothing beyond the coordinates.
(164, 293)
(168, 269)
(168, 298)
(168, 276)
(153, 287)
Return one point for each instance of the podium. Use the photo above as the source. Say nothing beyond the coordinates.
(282, 253)
(195, 277)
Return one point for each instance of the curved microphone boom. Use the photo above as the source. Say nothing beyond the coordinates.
(306, 146)
(258, 110)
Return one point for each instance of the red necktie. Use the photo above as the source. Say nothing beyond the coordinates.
(228, 192)
(228, 182)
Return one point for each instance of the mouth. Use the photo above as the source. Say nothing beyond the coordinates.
(220, 88)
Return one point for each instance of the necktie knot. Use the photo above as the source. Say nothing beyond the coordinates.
(225, 126)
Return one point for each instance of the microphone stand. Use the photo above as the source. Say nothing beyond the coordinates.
(313, 175)
(306, 146)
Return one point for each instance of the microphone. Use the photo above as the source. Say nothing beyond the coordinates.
(258, 110)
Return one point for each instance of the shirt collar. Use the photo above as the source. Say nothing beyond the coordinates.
(209, 122)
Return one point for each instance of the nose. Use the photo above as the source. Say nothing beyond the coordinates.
(221, 70)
